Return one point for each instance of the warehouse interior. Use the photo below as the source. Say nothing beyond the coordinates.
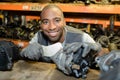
(20, 19)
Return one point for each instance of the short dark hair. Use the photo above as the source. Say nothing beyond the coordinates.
(52, 6)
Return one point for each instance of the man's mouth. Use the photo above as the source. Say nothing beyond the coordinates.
(53, 34)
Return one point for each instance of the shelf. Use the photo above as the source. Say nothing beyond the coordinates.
(67, 8)
(105, 23)
(73, 8)
(77, 8)
(21, 43)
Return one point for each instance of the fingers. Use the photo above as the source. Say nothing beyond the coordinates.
(77, 46)
(85, 53)
(22, 53)
(68, 48)
(86, 50)
(32, 51)
(73, 47)
(90, 46)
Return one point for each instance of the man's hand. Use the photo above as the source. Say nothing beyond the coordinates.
(74, 53)
(33, 51)
(74, 47)
(87, 47)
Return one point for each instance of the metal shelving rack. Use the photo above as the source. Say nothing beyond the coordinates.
(70, 8)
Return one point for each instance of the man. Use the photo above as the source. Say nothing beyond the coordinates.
(53, 31)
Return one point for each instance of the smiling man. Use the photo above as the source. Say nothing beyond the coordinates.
(54, 30)
(56, 42)
(52, 24)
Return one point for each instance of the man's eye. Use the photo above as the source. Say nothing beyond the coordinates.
(45, 22)
(57, 20)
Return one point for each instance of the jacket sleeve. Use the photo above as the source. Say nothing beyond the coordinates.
(87, 38)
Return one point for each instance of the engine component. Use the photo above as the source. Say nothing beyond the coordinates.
(81, 65)
(105, 62)
(9, 52)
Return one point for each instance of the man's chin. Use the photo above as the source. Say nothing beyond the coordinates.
(53, 39)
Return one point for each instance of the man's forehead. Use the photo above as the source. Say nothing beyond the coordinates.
(51, 13)
(51, 9)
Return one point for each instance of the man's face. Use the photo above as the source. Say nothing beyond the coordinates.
(52, 24)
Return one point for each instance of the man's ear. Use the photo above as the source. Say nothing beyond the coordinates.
(64, 22)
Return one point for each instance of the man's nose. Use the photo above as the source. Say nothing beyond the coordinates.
(52, 26)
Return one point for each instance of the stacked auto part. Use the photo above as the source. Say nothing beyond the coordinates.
(15, 27)
(110, 38)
